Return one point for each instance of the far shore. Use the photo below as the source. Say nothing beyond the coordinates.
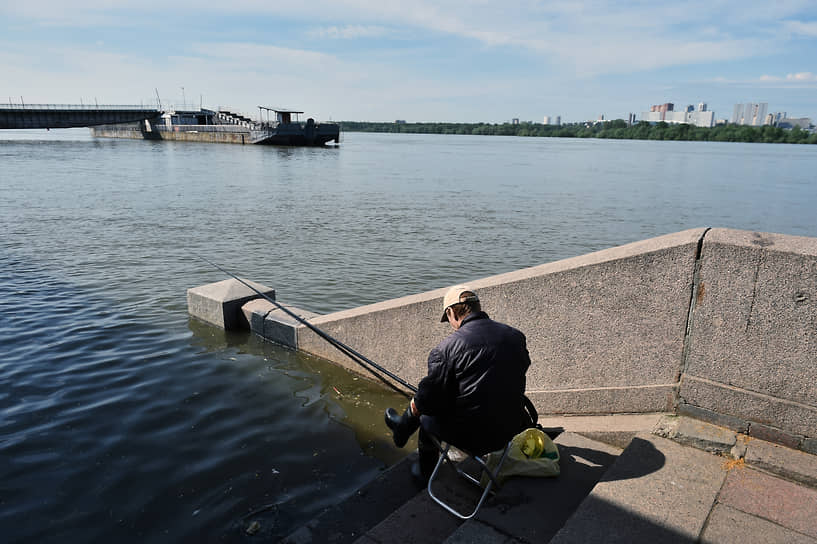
(617, 129)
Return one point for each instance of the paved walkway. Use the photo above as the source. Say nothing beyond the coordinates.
(678, 480)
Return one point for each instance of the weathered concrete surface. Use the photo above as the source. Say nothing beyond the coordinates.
(274, 324)
(727, 524)
(722, 420)
(792, 464)
(657, 491)
(698, 434)
(605, 330)
(753, 340)
(220, 303)
(777, 500)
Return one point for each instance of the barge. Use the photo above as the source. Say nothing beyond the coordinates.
(224, 126)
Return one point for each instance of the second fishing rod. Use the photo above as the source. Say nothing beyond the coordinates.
(368, 364)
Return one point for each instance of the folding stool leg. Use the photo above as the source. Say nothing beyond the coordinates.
(484, 468)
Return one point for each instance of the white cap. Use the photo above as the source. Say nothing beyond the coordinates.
(454, 296)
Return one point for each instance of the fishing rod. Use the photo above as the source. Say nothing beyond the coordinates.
(363, 361)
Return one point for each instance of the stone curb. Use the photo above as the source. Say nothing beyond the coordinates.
(779, 460)
(789, 463)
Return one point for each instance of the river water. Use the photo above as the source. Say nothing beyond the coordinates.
(121, 418)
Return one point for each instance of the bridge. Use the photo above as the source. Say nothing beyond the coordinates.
(21, 116)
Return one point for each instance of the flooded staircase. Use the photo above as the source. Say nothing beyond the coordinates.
(676, 480)
(393, 509)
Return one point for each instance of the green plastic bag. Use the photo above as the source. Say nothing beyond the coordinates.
(532, 453)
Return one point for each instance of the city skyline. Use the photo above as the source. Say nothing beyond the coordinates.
(422, 61)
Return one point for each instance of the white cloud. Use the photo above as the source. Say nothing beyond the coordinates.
(350, 32)
(807, 77)
(802, 28)
(791, 80)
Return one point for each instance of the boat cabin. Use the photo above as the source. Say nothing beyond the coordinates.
(278, 116)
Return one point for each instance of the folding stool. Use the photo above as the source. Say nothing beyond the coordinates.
(492, 475)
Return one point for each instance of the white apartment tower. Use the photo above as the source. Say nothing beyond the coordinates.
(751, 113)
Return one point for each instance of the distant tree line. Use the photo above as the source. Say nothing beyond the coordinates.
(617, 129)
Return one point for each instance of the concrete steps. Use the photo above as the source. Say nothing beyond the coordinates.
(347, 521)
(694, 483)
(517, 509)
(534, 509)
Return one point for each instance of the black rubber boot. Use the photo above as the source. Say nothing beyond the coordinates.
(402, 426)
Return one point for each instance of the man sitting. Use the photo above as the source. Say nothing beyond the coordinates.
(473, 394)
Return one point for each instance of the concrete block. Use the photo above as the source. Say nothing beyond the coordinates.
(699, 434)
(753, 326)
(657, 491)
(793, 464)
(255, 311)
(727, 524)
(771, 434)
(705, 436)
(220, 303)
(754, 407)
(722, 420)
(777, 500)
(281, 328)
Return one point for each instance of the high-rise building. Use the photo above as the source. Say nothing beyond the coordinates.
(751, 113)
(737, 114)
(666, 113)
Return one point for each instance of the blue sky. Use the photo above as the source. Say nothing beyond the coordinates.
(421, 60)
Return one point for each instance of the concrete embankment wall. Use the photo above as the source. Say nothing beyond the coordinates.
(605, 330)
(715, 323)
(752, 358)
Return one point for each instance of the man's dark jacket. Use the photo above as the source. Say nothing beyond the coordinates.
(475, 384)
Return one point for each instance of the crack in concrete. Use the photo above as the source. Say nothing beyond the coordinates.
(694, 300)
(754, 293)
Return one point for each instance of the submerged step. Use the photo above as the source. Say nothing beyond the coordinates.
(347, 521)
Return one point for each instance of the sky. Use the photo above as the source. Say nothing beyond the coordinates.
(419, 60)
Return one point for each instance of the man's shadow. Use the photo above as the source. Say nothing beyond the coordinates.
(547, 503)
